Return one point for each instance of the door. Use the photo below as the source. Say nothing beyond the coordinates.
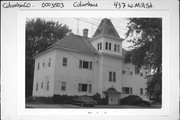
(113, 98)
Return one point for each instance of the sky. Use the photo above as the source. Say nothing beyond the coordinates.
(78, 24)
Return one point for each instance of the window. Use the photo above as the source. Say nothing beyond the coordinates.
(80, 64)
(49, 64)
(85, 65)
(38, 66)
(64, 61)
(43, 64)
(109, 46)
(36, 86)
(123, 72)
(63, 86)
(106, 47)
(79, 87)
(100, 47)
(130, 90)
(84, 87)
(141, 91)
(47, 85)
(127, 90)
(112, 76)
(41, 84)
(90, 87)
(131, 72)
(90, 65)
(118, 48)
(114, 47)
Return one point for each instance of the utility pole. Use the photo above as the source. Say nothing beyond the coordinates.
(77, 26)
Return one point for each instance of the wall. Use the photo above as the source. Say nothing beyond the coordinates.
(113, 64)
(44, 74)
(135, 81)
(104, 40)
(72, 74)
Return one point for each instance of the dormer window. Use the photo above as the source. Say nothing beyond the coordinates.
(106, 46)
(109, 46)
(100, 47)
(118, 48)
(114, 47)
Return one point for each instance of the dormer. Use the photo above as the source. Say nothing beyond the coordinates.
(106, 39)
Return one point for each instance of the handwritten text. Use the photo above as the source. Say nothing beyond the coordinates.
(87, 4)
(120, 5)
(16, 5)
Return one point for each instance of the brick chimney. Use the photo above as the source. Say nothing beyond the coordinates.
(85, 32)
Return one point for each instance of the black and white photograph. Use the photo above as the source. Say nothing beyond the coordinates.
(93, 63)
(94, 60)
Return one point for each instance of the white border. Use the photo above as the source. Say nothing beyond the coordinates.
(164, 111)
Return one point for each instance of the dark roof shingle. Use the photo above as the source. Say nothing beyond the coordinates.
(76, 42)
(106, 28)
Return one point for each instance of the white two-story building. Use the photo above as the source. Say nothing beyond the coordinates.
(78, 65)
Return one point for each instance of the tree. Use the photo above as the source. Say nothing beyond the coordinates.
(39, 35)
(145, 34)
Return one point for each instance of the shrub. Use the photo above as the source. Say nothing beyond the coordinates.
(100, 101)
(63, 99)
(103, 101)
(40, 100)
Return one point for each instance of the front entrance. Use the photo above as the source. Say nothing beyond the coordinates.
(113, 98)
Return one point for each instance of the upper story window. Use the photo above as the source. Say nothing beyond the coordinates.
(47, 85)
(43, 63)
(114, 47)
(36, 86)
(123, 72)
(127, 90)
(49, 63)
(41, 84)
(100, 46)
(64, 63)
(38, 66)
(112, 76)
(106, 45)
(118, 48)
(63, 86)
(85, 64)
(131, 72)
(109, 46)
